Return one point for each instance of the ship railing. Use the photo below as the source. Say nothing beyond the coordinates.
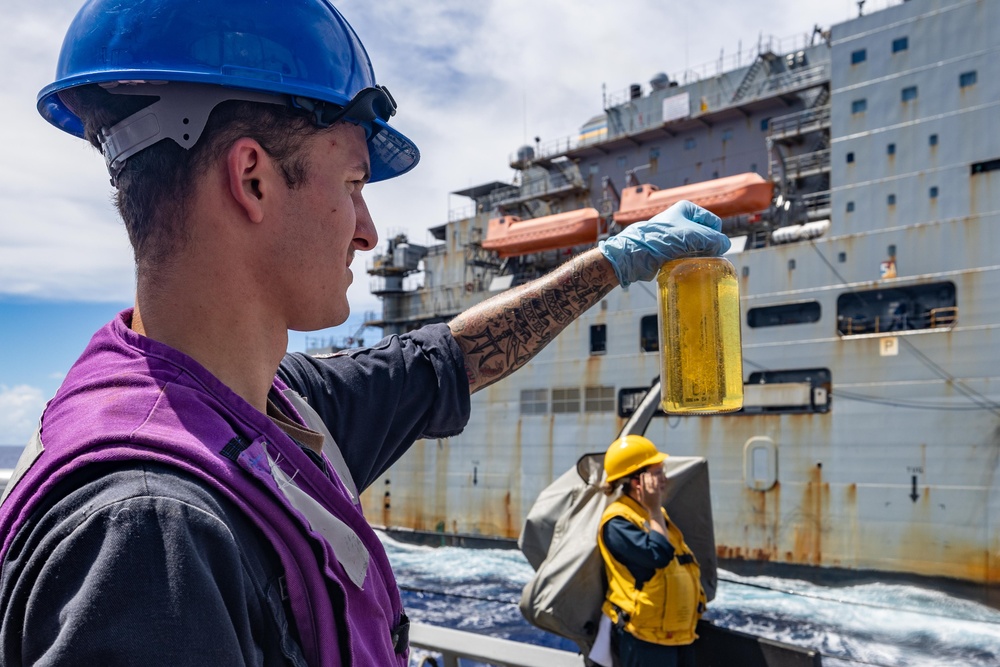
(803, 165)
(437, 249)
(800, 122)
(816, 204)
(499, 196)
(935, 318)
(453, 645)
(742, 57)
(440, 301)
(461, 212)
(799, 78)
(794, 79)
(943, 317)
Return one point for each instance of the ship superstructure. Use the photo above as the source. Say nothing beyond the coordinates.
(858, 175)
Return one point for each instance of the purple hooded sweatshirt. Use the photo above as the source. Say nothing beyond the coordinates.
(131, 398)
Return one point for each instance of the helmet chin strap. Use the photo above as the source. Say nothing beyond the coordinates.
(180, 113)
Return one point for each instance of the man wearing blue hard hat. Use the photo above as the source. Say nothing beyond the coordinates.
(191, 495)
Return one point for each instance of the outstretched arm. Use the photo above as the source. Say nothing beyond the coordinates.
(501, 334)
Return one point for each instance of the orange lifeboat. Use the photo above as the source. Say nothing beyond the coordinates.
(510, 235)
(732, 195)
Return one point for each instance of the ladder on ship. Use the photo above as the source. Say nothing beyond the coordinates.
(762, 62)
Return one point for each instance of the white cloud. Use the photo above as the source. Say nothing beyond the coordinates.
(474, 82)
(59, 235)
(20, 408)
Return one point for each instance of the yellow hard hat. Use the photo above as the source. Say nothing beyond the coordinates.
(628, 454)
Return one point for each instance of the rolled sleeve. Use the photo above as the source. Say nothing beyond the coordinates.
(377, 401)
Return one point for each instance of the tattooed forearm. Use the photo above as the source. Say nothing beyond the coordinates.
(504, 332)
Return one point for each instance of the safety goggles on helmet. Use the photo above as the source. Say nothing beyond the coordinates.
(368, 105)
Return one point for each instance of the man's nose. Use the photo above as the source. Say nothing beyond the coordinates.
(365, 234)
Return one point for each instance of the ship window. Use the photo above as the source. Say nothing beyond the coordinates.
(850, 207)
(967, 79)
(594, 168)
(933, 192)
(649, 334)
(982, 167)
(654, 152)
(534, 401)
(900, 44)
(850, 157)
(727, 134)
(786, 313)
(859, 106)
(909, 93)
(565, 400)
(622, 161)
(629, 399)
(598, 338)
(891, 200)
(690, 143)
(858, 56)
(796, 390)
(890, 149)
(764, 124)
(599, 399)
(929, 306)
(842, 257)
(932, 140)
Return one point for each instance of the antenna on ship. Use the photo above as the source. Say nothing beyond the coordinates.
(861, 7)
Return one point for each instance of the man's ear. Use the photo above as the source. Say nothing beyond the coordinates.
(248, 172)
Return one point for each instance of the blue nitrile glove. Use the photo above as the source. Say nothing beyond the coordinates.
(683, 230)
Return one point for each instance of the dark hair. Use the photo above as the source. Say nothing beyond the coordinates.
(609, 488)
(155, 185)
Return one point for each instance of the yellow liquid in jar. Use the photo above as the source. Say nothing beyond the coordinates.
(701, 356)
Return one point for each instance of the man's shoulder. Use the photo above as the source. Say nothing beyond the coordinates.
(138, 486)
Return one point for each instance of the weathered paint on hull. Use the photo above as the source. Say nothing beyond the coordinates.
(845, 483)
(900, 475)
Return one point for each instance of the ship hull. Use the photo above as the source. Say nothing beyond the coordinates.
(898, 475)
(869, 440)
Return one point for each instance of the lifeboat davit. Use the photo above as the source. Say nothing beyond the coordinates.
(509, 235)
(732, 195)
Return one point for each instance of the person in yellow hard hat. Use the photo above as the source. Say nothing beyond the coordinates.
(654, 597)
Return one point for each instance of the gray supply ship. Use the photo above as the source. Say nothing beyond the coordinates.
(858, 175)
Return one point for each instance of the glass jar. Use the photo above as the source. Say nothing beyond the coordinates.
(701, 356)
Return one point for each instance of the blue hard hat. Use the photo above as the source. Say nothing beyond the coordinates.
(302, 52)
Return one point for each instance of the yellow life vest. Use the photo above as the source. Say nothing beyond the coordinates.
(669, 605)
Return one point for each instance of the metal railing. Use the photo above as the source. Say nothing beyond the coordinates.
(795, 78)
(453, 645)
(816, 203)
(775, 84)
(804, 165)
(808, 120)
(935, 318)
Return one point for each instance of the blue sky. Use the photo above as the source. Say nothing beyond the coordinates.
(474, 81)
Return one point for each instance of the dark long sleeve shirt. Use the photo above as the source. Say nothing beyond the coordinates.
(640, 551)
(140, 564)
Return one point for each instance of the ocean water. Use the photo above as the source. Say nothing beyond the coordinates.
(887, 625)
(9, 455)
